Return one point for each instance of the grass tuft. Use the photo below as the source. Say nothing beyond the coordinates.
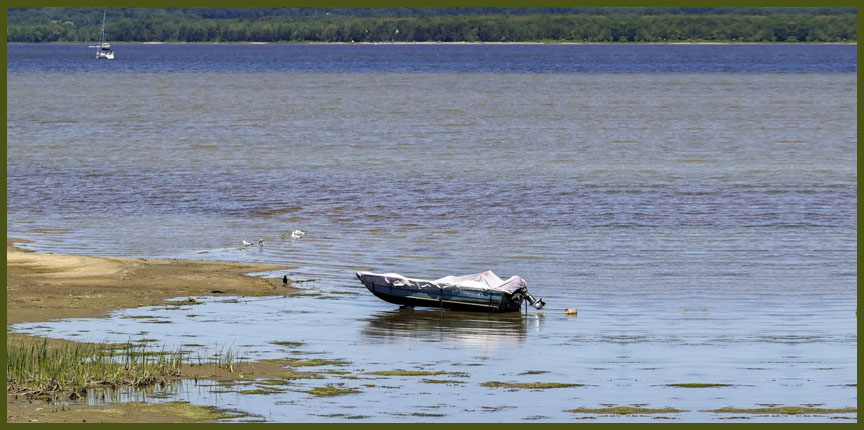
(40, 368)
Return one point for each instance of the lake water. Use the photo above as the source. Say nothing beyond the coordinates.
(697, 204)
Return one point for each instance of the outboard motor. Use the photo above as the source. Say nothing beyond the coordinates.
(537, 303)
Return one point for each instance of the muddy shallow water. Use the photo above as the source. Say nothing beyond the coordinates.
(618, 359)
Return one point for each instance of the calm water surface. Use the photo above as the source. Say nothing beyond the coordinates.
(697, 204)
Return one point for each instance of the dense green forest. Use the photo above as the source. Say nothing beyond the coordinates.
(433, 24)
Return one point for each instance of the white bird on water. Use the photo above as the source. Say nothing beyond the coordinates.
(297, 234)
(245, 244)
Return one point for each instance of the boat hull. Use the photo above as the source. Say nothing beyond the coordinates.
(430, 295)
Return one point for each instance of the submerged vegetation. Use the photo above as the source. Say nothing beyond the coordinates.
(330, 391)
(784, 410)
(296, 362)
(288, 344)
(407, 373)
(442, 381)
(624, 410)
(599, 25)
(698, 385)
(529, 385)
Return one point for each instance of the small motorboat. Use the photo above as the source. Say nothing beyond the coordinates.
(484, 292)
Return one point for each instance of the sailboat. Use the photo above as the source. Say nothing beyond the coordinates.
(103, 49)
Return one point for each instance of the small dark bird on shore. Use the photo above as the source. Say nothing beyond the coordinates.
(285, 280)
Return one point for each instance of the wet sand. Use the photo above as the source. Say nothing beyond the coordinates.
(44, 287)
(39, 412)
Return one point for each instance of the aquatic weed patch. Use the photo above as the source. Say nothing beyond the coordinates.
(261, 391)
(336, 372)
(400, 372)
(297, 362)
(442, 381)
(273, 382)
(784, 410)
(529, 385)
(304, 294)
(288, 344)
(301, 375)
(427, 415)
(330, 391)
(698, 385)
(344, 416)
(625, 410)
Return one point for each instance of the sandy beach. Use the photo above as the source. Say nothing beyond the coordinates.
(43, 287)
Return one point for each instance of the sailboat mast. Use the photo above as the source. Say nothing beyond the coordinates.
(102, 36)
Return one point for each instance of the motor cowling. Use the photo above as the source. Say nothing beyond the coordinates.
(536, 303)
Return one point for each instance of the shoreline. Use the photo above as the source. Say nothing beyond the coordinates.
(45, 286)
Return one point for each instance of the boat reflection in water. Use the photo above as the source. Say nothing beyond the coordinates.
(464, 328)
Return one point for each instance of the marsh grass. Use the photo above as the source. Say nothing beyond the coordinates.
(41, 368)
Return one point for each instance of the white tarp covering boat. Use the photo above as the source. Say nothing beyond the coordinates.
(487, 281)
(484, 281)
(480, 291)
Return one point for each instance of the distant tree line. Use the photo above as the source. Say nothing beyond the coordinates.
(90, 15)
(228, 25)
